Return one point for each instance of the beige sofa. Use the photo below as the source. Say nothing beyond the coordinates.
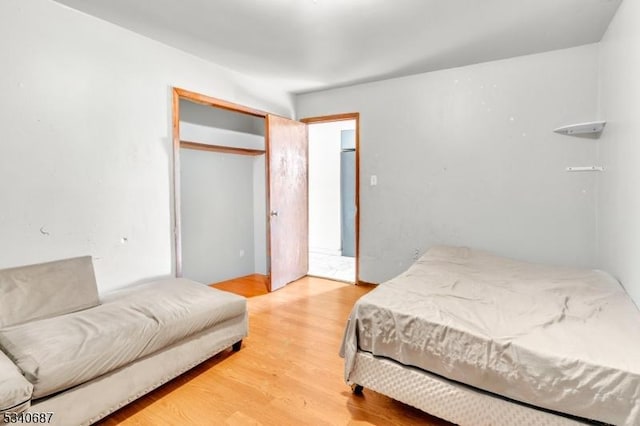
(71, 357)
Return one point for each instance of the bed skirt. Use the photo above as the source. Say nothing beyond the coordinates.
(446, 399)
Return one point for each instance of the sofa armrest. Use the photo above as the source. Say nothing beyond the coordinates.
(15, 390)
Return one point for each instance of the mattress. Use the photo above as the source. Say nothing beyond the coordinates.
(557, 338)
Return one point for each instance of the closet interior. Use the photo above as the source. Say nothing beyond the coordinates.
(223, 203)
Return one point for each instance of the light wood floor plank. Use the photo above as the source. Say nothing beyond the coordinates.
(249, 286)
(287, 373)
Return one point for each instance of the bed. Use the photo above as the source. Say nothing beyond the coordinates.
(478, 339)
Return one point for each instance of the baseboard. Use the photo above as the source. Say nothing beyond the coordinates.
(254, 277)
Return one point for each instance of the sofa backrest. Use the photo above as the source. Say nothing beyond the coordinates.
(46, 290)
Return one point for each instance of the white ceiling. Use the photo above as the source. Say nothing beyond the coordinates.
(306, 45)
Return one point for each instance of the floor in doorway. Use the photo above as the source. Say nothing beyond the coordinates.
(339, 268)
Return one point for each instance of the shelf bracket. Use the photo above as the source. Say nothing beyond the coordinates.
(592, 127)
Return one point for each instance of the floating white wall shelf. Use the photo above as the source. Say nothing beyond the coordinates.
(594, 127)
(586, 169)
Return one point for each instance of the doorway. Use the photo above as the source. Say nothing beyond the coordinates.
(333, 196)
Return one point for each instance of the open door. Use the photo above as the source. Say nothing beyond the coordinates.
(286, 145)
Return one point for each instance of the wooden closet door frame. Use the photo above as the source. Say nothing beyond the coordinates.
(198, 98)
(345, 117)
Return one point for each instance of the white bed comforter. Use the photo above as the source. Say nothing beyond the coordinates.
(563, 339)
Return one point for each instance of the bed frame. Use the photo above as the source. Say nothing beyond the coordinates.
(446, 399)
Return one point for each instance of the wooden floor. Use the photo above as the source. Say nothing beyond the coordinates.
(249, 286)
(287, 373)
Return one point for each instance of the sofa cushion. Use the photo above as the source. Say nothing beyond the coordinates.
(60, 352)
(57, 353)
(15, 390)
(180, 307)
(47, 289)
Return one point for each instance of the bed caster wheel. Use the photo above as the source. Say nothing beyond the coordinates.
(236, 346)
(356, 389)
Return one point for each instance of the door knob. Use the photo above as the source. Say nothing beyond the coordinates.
(274, 213)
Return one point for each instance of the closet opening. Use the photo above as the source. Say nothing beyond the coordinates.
(221, 195)
(258, 217)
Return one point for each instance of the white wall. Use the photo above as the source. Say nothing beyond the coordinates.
(619, 197)
(219, 118)
(216, 215)
(223, 203)
(324, 186)
(467, 156)
(85, 157)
